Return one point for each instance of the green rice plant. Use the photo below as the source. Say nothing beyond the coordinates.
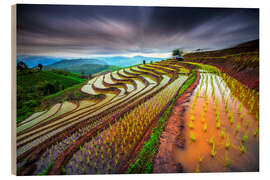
(191, 117)
(192, 106)
(242, 148)
(191, 124)
(203, 117)
(108, 167)
(115, 162)
(227, 142)
(240, 107)
(217, 118)
(222, 134)
(211, 141)
(213, 151)
(256, 132)
(217, 112)
(198, 167)
(218, 124)
(257, 116)
(205, 127)
(247, 124)
(83, 170)
(192, 137)
(80, 160)
(242, 116)
(245, 137)
(238, 127)
(231, 118)
(200, 159)
(227, 160)
(77, 166)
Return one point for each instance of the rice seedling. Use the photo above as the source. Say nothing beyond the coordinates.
(222, 133)
(231, 118)
(227, 159)
(211, 141)
(191, 117)
(205, 127)
(198, 167)
(239, 107)
(227, 145)
(213, 151)
(242, 116)
(245, 137)
(247, 123)
(256, 132)
(83, 170)
(237, 127)
(242, 148)
(192, 137)
(191, 125)
(227, 107)
(218, 124)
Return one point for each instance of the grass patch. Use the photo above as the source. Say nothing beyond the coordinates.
(33, 86)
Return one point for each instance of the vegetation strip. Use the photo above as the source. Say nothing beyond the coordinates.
(143, 162)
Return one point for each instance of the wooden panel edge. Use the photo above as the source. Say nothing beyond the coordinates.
(13, 86)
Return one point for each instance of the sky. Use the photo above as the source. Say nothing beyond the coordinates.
(93, 31)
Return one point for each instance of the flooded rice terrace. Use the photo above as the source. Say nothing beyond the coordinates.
(221, 128)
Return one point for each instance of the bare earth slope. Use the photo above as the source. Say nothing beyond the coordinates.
(241, 62)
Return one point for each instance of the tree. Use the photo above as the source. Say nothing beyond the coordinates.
(177, 52)
(40, 66)
(22, 66)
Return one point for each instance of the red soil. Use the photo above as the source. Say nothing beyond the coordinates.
(163, 162)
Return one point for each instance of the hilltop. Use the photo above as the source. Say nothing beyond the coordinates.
(83, 66)
(240, 62)
(33, 86)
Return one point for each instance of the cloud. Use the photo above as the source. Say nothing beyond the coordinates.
(81, 31)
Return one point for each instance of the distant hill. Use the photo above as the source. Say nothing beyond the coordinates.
(87, 66)
(124, 61)
(60, 62)
(92, 66)
(33, 61)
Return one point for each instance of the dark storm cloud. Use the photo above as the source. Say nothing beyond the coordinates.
(107, 30)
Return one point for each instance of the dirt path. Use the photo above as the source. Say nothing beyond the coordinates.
(173, 132)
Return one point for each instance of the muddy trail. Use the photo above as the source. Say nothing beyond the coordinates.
(210, 130)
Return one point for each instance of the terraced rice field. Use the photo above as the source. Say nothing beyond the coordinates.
(222, 134)
(98, 136)
(219, 131)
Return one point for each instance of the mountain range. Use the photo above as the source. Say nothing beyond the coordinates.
(58, 62)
